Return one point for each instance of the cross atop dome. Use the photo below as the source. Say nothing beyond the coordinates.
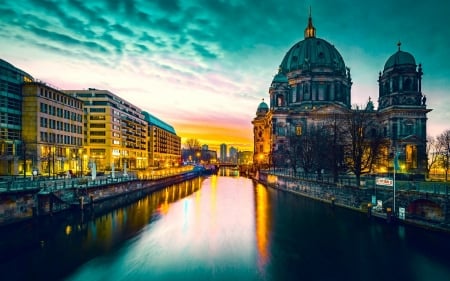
(310, 30)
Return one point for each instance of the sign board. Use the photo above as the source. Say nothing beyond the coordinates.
(384, 181)
(380, 204)
(401, 213)
(374, 200)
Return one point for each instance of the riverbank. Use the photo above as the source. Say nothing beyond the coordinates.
(24, 206)
(412, 203)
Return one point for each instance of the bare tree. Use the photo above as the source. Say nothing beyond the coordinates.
(433, 152)
(192, 150)
(443, 141)
(363, 142)
(306, 151)
(192, 144)
(334, 146)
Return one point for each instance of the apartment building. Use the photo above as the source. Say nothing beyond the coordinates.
(164, 148)
(52, 129)
(11, 150)
(115, 131)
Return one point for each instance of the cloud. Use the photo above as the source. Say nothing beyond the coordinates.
(224, 52)
(203, 51)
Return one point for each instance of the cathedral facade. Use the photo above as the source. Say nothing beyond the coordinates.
(311, 95)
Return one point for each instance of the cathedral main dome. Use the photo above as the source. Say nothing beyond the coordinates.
(311, 74)
(312, 53)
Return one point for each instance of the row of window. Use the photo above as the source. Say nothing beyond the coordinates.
(11, 103)
(60, 139)
(9, 73)
(97, 109)
(61, 126)
(61, 98)
(10, 118)
(10, 134)
(10, 88)
(59, 112)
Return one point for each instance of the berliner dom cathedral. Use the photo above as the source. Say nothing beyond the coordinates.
(310, 108)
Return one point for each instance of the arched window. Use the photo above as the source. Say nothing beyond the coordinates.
(407, 84)
(395, 84)
(408, 127)
(299, 92)
(411, 156)
(280, 100)
(293, 94)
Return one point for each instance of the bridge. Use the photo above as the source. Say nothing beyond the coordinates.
(227, 164)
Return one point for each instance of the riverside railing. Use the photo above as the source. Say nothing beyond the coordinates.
(433, 187)
(46, 184)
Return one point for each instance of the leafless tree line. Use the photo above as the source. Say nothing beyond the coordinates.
(337, 143)
(438, 151)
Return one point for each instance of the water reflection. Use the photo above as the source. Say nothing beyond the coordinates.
(55, 246)
(223, 228)
(229, 171)
(263, 220)
(207, 236)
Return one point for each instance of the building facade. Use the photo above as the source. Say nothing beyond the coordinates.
(115, 131)
(11, 149)
(233, 155)
(164, 146)
(312, 90)
(52, 130)
(223, 153)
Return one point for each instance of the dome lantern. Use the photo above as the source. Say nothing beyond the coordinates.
(310, 30)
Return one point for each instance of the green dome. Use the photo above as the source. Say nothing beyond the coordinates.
(400, 58)
(263, 106)
(280, 77)
(312, 53)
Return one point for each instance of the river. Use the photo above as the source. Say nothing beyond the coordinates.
(222, 227)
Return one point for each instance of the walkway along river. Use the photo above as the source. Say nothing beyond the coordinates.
(222, 228)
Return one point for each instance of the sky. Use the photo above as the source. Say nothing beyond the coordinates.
(203, 66)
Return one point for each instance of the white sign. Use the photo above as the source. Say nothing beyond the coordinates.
(384, 181)
(401, 213)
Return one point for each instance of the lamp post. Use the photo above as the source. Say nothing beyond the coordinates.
(396, 154)
(198, 157)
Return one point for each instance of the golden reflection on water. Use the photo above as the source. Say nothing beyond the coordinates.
(262, 223)
(113, 226)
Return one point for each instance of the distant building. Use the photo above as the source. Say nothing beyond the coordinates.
(205, 147)
(245, 157)
(164, 146)
(52, 129)
(223, 153)
(312, 91)
(11, 149)
(233, 152)
(208, 156)
(115, 130)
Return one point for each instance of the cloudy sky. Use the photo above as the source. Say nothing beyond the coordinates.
(203, 66)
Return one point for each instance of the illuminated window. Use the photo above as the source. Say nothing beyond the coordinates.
(411, 156)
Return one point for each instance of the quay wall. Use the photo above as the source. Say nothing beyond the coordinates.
(424, 209)
(24, 205)
(346, 196)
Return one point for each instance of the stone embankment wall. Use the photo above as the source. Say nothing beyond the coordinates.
(26, 204)
(423, 208)
(346, 196)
